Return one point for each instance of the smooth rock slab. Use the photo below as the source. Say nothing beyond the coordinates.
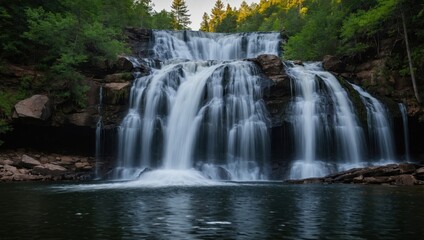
(49, 169)
(37, 106)
(29, 162)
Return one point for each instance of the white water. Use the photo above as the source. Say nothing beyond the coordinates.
(380, 132)
(404, 113)
(99, 128)
(326, 131)
(207, 115)
(213, 46)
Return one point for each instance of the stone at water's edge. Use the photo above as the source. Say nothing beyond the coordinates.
(392, 174)
(19, 166)
(29, 162)
(49, 169)
(37, 107)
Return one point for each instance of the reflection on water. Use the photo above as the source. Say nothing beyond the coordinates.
(243, 211)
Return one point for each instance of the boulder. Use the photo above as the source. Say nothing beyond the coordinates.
(396, 174)
(419, 173)
(82, 166)
(119, 78)
(278, 93)
(6, 162)
(49, 169)
(332, 64)
(406, 168)
(29, 162)
(298, 62)
(66, 160)
(116, 86)
(272, 67)
(116, 93)
(122, 64)
(37, 106)
(10, 170)
(405, 180)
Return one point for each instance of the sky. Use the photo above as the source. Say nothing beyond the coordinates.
(196, 8)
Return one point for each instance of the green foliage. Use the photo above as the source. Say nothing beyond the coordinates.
(72, 41)
(217, 15)
(162, 20)
(204, 25)
(367, 22)
(319, 35)
(7, 102)
(180, 16)
(228, 23)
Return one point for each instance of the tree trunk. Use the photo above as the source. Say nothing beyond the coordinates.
(411, 68)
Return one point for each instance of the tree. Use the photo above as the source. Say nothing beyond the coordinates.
(217, 15)
(408, 51)
(71, 38)
(162, 20)
(228, 23)
(181, 18)
(204, 26)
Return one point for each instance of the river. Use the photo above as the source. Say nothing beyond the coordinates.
(257, 210)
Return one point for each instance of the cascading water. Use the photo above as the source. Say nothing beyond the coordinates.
(202, 112)
(327, 135)
(199, 115)
(99, 129)
(213, 46)
(381, 140)
(404, 114)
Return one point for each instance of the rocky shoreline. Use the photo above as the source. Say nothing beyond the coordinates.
(405, 174)
(22, 165)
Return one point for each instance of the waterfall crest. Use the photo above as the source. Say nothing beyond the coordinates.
(194, 45)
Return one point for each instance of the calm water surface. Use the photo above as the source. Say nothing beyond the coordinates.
(230, 211)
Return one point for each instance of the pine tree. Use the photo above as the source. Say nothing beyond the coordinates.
(204, 26)
(181, 18)
(217, 15)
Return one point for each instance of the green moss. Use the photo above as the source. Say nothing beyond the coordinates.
(128, 76)
(359, 106)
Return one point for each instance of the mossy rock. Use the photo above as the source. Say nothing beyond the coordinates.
(117, 93)
(358, 105)
(119, 77)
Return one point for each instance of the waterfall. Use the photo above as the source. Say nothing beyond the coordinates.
(327, 136)
(199, 110)
(404, 113)
(99, 128)
(213, 46)
(381, 140)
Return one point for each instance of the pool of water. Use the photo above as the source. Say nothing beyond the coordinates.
(261, 210)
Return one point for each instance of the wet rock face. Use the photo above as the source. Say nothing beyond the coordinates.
(278, 94)
(272, 67)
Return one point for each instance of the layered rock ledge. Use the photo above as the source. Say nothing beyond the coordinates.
(405, 174)
(34, 166)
